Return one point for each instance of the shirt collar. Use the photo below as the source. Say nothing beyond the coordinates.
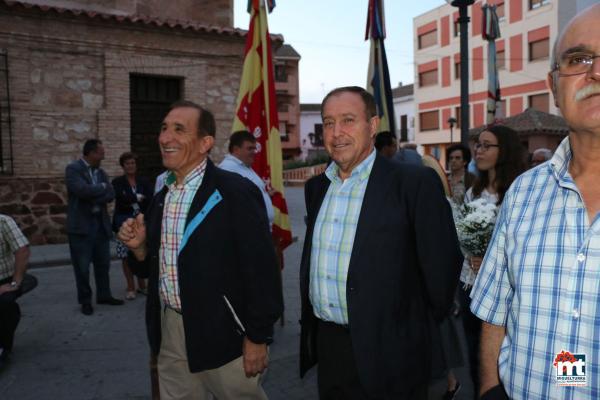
(236, 160)
(171, 179)
(86, 163)
(360, 172)
(559, 163)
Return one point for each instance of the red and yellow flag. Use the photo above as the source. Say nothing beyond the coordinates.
(256, 112)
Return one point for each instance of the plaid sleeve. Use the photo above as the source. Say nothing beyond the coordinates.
(12, 234)
(492, 292)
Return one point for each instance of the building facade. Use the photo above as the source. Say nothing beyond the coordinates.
(103, 69)
(287, 87)
(404, 112)
(311, 131)
(528, 30)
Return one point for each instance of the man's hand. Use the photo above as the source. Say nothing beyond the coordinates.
(133, 234)
(476, 263)
(256, 358)
(7, 288)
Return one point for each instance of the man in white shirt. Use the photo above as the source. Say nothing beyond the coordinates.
(242, 150)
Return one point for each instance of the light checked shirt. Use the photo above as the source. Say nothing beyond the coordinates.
(233, 164)
(540, 279)
(11, 240)
(176, 206)
(333, 239)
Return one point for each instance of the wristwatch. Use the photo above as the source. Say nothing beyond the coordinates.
(14, 284)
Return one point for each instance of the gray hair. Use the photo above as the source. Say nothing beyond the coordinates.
(546, 153)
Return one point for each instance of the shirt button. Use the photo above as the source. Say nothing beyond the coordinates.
(328, 276)
(335, 220)
(331, 305)
(580, 257)
(575, 313)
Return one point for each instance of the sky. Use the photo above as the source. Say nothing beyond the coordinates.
(329, 36)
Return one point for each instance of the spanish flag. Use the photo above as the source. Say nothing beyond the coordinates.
(256, 112)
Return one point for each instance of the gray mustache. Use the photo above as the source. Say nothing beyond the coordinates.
(591, 89)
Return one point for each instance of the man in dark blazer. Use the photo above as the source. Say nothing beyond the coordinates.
(88, 225)
(213, 289)
(381, 260)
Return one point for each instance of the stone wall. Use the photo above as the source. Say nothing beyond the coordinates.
(69, 79)
(38, 206)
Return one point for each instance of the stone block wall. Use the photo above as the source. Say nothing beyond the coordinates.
(38, 207)
(69, 81)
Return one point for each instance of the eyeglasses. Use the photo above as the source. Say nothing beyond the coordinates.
(484, 146)
(575, 64)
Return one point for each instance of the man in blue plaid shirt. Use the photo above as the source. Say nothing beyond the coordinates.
(538, 289)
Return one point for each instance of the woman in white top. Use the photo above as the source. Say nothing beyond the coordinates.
(500, 158)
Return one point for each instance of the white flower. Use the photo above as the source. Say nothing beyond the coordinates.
(474, 224)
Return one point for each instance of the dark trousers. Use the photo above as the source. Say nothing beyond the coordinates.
(86, 249)
(472, 326)
(337, 374)
(10, 314)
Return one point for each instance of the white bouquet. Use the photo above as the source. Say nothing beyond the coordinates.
(474, 224)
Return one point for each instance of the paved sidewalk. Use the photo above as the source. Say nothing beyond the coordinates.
(61, 354)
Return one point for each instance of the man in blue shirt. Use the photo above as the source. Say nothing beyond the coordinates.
(537, 289)
(242, 151)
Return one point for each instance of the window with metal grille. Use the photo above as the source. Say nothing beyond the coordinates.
(428, 78)
(539, 50)
(540, 102)
(429, 120)
(428, 39)
(6, 154)
(150, 97)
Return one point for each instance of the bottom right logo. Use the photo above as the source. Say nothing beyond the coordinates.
(570, 369)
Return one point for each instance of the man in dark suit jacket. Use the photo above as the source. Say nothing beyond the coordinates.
(213, 289)
(88, 224)
(381, 260)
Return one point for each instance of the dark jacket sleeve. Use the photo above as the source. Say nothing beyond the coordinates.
(437, 243)
(81, 188)
(109, 193)
(260, 273)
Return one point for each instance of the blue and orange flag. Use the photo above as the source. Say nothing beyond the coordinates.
(378, 77)
(256, 112)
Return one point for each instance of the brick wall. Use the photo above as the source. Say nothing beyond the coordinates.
(69, 81)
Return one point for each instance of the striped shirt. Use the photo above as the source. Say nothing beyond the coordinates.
(176, 206)
(333, 239)
(541, 280)
(11, 240)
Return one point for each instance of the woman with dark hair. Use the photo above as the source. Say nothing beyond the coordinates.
(499, 159)
(132, 196)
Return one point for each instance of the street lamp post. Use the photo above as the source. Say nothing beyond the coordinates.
(463, 20)
(452, 121)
